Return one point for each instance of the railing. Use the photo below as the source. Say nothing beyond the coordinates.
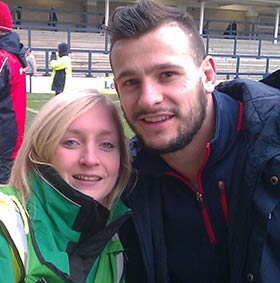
(39, 18)
(237, 73)
(235, 39)
(249, 29)
(78, 19)
(88, 71)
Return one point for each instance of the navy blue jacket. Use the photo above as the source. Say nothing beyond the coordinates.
(254, 242)
(222, 238)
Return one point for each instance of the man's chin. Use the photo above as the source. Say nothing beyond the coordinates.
(158, 148)
(172, 146)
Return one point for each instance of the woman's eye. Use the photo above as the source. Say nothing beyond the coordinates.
(70, 143)
(107, 145)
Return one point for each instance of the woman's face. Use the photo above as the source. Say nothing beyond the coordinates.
(88, 156)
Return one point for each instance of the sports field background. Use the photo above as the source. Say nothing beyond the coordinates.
(37, 100)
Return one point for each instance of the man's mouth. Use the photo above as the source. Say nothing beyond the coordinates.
(157, 118)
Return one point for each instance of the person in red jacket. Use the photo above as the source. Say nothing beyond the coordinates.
(12, 93)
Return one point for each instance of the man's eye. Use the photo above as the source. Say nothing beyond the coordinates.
(130, 82)
(167, 74)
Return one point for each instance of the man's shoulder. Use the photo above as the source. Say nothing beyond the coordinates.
(247, 90)
(9, 57)
(4, 53)
(259, 98)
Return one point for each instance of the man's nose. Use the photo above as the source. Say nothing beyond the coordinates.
(150, 94)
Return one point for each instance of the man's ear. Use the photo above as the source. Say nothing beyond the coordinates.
(116, 87)
(208, 69)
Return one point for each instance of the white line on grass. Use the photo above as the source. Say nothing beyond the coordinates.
(32, 110)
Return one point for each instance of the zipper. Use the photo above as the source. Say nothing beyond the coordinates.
(200, 196)
(223, 197)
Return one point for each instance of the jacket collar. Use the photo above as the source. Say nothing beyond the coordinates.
(229, 118)
(66, 207)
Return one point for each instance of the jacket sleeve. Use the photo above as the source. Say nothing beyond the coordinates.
(58, 64)
(8, 121)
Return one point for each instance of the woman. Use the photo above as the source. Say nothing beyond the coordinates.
(69, 174)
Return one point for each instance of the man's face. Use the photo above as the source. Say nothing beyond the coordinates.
(160, 87)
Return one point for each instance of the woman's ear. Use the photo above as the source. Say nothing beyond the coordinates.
(208, 69)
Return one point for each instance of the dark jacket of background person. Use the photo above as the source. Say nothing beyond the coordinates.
(52, 18)
(256, 172)
(231, 30)
(62, 70)
(17, 15)
(12, 95)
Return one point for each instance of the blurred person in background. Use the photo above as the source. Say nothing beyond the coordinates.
(52, 18)
(62, 69)
(31, 67)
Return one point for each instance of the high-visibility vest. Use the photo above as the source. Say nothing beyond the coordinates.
(14, 225)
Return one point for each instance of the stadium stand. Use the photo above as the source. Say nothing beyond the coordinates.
(252, 53)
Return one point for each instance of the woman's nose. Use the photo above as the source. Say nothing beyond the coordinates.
(90, 157)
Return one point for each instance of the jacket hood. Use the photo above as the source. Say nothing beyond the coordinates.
(11, 42)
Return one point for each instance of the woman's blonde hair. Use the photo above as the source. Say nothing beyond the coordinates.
(47, 130)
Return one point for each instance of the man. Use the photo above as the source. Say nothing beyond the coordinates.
(206, 198)
(61, 68)
(31, 67)
(52, 17)
(12, 93)
(18, 15)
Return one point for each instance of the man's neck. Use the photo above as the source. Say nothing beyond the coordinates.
(189, 160)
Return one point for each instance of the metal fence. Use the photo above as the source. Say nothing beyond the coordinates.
(89, 69)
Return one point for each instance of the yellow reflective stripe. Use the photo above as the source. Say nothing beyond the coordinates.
(14, 218)
(16, 266)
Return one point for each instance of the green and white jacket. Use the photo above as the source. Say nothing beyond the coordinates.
(64, 236)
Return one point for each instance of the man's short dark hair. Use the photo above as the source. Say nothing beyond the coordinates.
(134, 20)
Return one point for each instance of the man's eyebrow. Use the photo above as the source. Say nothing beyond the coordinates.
(164, 66)
(125, 74)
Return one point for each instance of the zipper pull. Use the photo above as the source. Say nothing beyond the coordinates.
(199, 199)
(221, 186)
